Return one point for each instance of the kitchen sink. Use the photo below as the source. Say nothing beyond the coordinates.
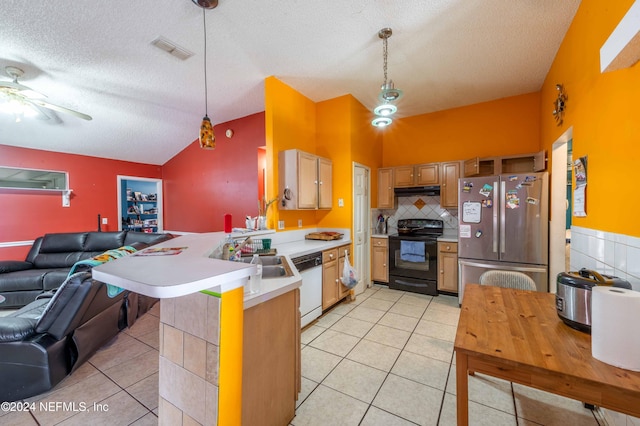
(273, 267)
(266, 260)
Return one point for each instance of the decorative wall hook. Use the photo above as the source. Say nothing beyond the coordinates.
(559, 105)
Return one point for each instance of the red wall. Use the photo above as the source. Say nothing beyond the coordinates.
(27, 215)
(200, 186)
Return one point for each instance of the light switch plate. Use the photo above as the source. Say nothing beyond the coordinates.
(340, 202)
(105, 221)
(281, 224)
(299, 223)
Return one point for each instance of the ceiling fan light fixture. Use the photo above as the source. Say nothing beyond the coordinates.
(381, 121)
(385, 109)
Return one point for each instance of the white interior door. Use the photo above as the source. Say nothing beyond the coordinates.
(361, 215)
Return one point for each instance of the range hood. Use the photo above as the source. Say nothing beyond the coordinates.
(417, 190)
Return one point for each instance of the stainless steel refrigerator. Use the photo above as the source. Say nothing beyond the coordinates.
(503, 224)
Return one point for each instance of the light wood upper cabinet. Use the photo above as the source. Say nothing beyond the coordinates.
(305, 181)
(325, 170)
(379, 259)
(448, 267)
(427, 174)
(386, 198)
(449, 174)
(417, 175)
(519, 163)
(403, 176)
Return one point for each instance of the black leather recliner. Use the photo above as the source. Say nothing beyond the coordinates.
(49, 338)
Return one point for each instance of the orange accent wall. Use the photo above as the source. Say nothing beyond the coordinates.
(27, 215)
(338, 129)
(603, 111)
(501, 127)
(290, 122)
(201, 186)
(334, 142)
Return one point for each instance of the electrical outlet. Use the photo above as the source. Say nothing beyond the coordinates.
(340, 202)
(299, 223)
(281, 224)
(105, 221)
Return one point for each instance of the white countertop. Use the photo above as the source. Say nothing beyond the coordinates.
(190, 271)
(193, 270)
(449, 235)
(379, 235)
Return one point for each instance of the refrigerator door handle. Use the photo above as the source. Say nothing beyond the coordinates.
(495, 218)
(503, 195)
(493, 265)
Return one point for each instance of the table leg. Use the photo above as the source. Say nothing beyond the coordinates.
(462, 389)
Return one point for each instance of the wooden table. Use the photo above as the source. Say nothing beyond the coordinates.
(516, 335)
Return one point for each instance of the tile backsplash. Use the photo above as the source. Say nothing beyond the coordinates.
(415, 207)
(607, 253)
(610, 254)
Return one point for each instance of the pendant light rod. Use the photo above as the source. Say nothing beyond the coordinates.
(384, 34)
(204, 25)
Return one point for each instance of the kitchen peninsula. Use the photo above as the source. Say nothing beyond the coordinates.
(203, 309)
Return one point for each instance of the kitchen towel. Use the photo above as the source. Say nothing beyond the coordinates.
(412, 251)
(615, 335)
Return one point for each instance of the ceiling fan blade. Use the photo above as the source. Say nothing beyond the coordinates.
(21, 89)
(59, 109)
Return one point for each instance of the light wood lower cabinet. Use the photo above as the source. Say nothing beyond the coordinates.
(271, 372)
(332, 264)
(448, 267)
(379, 259)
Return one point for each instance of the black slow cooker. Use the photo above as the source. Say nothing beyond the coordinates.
(573, 295)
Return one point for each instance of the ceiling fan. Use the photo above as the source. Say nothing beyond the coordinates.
(21, 100)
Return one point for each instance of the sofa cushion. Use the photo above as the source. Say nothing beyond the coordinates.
(58, 260)
(29, 279)
(14, 265)
(145, 237)
(15, 329)
(63, 242)
(54, 278)
(102, 241)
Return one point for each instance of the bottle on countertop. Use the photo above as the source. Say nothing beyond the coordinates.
(255, 279)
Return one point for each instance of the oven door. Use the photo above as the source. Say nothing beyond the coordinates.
(413, 257)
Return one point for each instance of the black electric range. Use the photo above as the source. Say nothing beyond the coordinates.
(413, 256)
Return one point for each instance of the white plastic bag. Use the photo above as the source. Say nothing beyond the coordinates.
(349, 274)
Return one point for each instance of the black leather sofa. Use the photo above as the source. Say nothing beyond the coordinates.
(52, 336)
(51, 257)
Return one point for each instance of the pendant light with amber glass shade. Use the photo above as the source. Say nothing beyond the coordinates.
(207, 137)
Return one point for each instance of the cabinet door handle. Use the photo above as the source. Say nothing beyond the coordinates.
(441, 271)
(331, 256)
(384, 265)
(336, 281)
(320, 182)
(448, 247)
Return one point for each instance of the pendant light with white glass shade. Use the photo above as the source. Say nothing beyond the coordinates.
(388, 93)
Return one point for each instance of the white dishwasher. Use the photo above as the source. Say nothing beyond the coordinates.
(310, 268)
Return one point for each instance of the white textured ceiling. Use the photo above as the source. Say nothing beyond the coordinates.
(146, 105)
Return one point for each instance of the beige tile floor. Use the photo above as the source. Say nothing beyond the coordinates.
(385, 359)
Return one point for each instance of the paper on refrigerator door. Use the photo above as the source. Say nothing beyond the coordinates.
(464, 231)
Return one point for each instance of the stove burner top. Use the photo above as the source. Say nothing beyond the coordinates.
(420, 227)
